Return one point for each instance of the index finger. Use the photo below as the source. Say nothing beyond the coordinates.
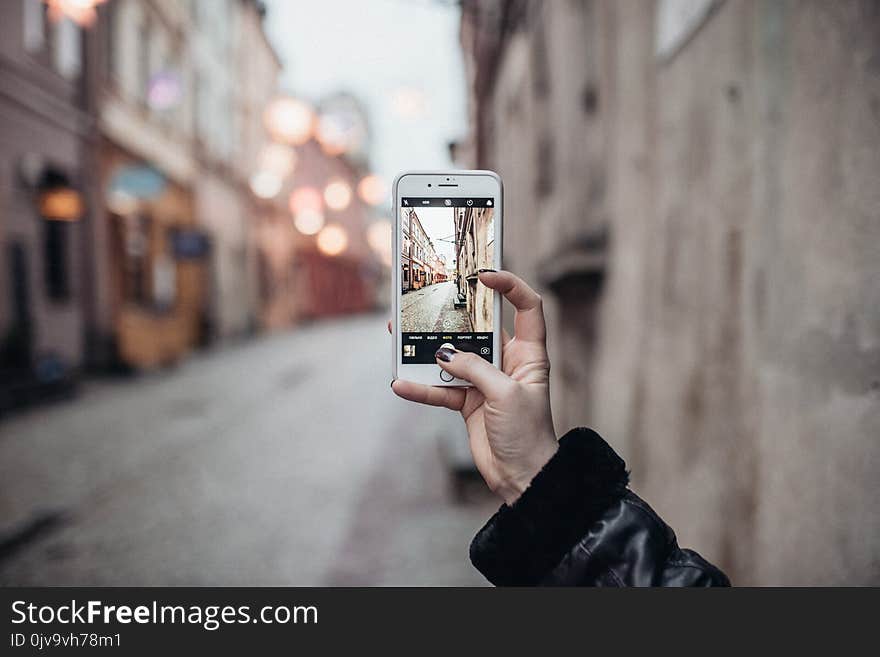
(529, 321)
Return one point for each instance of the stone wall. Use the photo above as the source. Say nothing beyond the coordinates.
(704, 221)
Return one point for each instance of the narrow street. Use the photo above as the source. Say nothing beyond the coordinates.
(432, 308)
(281, 461)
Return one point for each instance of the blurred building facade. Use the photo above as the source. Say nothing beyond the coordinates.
(134, 225)
(270, 240)
(692, 187)
(177, 106)
(43, 133)
(151, 259)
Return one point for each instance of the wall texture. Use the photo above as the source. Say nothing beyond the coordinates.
(710, 251)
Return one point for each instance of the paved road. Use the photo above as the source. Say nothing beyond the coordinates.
(432, 309)
(254, 465)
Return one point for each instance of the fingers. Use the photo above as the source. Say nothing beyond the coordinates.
(389, 326)
(488, 379)
(529, 321)
(451, 398)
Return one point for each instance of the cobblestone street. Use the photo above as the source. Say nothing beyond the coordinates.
(432, 309)
(282, 461)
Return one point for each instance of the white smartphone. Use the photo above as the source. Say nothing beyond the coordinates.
(447, 228)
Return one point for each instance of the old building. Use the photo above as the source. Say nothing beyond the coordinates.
(269, 253)
(222, 202)
(692, 185)
(151, 260)
(474, 250)
(406, 250)
(43, 187)
(438, 267)
(177, 89)
(419, 259)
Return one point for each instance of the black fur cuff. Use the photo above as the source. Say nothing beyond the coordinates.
(521, 544)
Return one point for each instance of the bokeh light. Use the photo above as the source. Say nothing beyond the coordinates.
(331, 134)
(306, 198)
(342, 126)
(290, 121)
(337, 194)
(409, 103)
(266, 184)
(308, 221)
(332, 240)
(372, 189)
(278, 158)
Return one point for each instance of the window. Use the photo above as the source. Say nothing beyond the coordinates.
(67, 49)
(676, 21)
(34, 25)
(143, 62)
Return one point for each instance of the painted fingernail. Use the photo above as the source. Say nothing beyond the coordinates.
(445, 354)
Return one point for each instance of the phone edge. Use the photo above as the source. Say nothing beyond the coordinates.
(395, 273)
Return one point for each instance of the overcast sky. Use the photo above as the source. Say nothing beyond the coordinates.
(375, 49)
(439, 224)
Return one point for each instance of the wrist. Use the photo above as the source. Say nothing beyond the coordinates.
(517, 480)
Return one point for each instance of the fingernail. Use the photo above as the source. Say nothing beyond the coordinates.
(445, 354)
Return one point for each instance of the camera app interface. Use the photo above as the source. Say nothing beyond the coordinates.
(445, 243)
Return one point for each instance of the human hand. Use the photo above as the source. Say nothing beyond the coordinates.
(507, 413)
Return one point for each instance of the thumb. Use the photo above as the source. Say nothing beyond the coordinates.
(487, 378)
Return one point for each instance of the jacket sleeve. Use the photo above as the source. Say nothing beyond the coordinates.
(578, 524)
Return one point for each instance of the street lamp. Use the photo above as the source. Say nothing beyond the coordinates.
(81, 12)
(61, 204)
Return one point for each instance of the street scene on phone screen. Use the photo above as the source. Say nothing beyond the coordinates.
(442, 251)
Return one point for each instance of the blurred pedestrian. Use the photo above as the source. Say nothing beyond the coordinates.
(569, 517)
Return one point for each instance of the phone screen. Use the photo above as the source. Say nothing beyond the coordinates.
(445, 243)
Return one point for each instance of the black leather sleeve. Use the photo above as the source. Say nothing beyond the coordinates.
(579, 525)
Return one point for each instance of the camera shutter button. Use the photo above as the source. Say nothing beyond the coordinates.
(446, 376)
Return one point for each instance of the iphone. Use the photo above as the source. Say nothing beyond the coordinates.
(447, 229)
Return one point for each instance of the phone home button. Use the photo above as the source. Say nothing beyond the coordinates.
(446, 376)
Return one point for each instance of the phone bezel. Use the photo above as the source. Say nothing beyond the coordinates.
(415, 183)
